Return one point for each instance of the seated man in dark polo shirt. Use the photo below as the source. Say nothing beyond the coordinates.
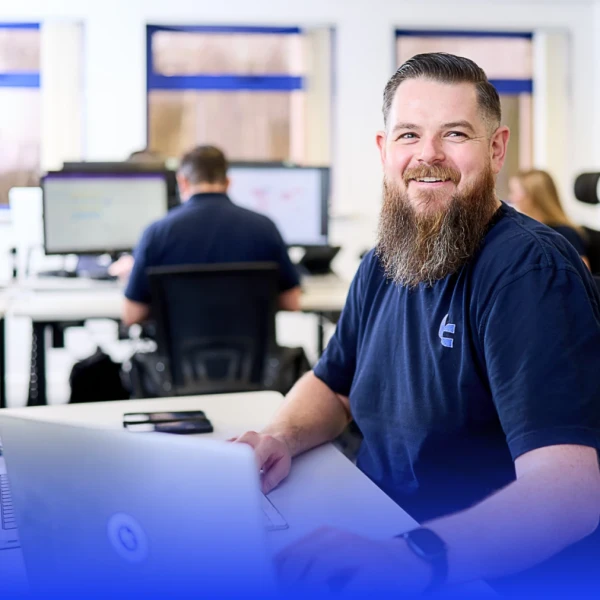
(207, 228)
(468, 354)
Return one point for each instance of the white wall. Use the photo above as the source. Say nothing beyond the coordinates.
(62, 93)
(115, 103)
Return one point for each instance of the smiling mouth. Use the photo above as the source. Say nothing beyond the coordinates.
(429, 180)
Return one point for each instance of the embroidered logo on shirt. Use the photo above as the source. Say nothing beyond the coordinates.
(446, 327)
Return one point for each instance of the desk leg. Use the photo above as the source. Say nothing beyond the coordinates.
(2, 363)
(37, 376)
(320, 334)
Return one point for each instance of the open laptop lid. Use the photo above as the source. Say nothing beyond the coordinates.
(135, 515)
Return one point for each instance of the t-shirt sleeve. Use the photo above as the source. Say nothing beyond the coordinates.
(288, 275)
(138, 287)
(541, 340)
(337, 365)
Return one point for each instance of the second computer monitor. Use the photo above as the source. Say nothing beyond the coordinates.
(295, 198)
(96, 213)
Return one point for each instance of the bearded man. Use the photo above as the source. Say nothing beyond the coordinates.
(468, 355)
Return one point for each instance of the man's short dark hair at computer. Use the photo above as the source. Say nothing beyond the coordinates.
(204, 164)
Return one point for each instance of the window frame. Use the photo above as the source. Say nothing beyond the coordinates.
(503, 86)
(216, 82)
(22, 79)
(19, 79)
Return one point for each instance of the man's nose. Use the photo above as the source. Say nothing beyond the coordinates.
(431, 151)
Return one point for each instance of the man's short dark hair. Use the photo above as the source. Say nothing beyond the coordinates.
(204, 164)
(446, 68)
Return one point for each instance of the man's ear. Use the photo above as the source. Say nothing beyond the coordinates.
(181, 182)
(380, 139)
(498, 148)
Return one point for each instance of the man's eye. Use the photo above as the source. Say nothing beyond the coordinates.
(407, 136)
(456, 134)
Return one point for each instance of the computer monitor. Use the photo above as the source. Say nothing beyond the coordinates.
(295, 198)
(98, 213)
(129, 167)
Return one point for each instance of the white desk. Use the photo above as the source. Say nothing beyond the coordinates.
(73, 300)
(54, 306)
(65, 284)
(55, 301)
(326, 293)
(323, 488)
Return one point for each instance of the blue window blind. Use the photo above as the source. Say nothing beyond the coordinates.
(218, 82)
(478, 34)
(25, 79)
(503, 86)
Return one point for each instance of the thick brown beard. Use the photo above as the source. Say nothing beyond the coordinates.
(425, 247)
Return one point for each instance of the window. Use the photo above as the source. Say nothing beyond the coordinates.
(239, 88)
(20, 108)
(507, 59)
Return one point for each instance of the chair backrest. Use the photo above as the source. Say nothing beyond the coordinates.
(215, 324)
(593, 249)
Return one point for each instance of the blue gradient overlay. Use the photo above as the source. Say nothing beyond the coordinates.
(199, 561)
(111, 514)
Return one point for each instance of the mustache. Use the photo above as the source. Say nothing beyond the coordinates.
(436, 171)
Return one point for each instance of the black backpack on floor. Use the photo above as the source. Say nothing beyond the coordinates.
(97, 378)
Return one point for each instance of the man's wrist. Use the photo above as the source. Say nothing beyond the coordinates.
(283, 435)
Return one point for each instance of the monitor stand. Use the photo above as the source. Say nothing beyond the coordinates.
(317, 259)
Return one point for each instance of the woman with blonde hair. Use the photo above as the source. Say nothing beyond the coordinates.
(534, 194)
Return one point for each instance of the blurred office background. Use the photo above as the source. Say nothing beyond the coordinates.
(270, 81)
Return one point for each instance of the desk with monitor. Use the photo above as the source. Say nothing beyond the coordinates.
(323, 488)
(103, 208)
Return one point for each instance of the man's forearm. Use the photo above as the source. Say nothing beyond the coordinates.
(522, 525)
(312, 415)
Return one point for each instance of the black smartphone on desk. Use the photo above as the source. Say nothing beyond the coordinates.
(162, 417)
(179, 427)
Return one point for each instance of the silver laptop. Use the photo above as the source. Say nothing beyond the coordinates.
(104, 513)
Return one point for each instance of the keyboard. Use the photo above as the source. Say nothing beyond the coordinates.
(272, 517)
(7, 513)
(9, 538)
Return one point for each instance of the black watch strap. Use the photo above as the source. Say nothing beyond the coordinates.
(431, 548)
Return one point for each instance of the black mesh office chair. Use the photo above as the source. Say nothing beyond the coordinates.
(215, 325)
(593, 249)
(586, 189)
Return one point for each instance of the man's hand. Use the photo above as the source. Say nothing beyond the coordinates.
(334, 561)
(122, 267)
(273, 457)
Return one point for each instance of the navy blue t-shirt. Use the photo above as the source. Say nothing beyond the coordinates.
(449, 384)
(573, 237)
(209, 228)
